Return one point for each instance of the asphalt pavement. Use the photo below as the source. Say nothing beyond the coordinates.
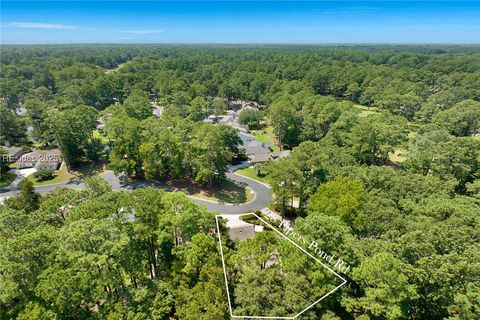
(261, 199)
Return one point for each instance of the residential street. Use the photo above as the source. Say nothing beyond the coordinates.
(260, 201)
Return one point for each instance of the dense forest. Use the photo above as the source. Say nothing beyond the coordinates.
(385, 168)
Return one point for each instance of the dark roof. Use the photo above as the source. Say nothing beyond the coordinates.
(257, 147)
(33, 158)
(263, 157)
(280, 154)
(245, 137)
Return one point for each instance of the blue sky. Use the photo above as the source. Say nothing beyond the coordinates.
(240, 22)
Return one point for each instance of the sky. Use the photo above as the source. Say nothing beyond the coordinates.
(294, 22)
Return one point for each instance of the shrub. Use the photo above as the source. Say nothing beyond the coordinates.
(43, 174)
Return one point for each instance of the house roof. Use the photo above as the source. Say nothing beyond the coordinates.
(245, 137)
(228, 119)
(157, 110)
(281, 154)
(232, 113)
(237, 126)
(255, 143)
(262, 157)
(13, 150)
(33, 158)
(247, 107)
(257, 147)
(20, 111)
(234, 102)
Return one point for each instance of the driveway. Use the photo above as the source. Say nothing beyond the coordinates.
(21, 174)
(260, 201)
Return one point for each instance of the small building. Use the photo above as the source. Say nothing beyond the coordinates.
(41, 159)
(260, 158)
(240, 230)
(234, 105)
(228, 120)
(157, 110)
(257, 147)
(20, 111)
(250, 104)
(246, 138)
(101, 123)
(247, 107)
(232, 113)
(265, 157)
(280, 154)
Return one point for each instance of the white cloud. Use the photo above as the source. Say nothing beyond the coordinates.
(43, 26)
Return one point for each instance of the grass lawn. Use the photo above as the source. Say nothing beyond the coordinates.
(117, 68)
(398, 156)
(227, 192)
(62, 175)
(412, 135)
(252, 174)
(6, 179)
(365, 111)
(266, 135)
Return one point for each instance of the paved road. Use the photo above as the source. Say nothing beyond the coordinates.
(261, 200)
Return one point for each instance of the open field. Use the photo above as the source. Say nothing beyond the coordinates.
(62, 175)
(398, 156)
(365, 111)
(227, 192)
(252, 174)
(266, 135)
(107, 71)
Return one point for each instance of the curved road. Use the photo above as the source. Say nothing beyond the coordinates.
(260, 201)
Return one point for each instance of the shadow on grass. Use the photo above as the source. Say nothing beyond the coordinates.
(225, 192)
(228, 192)
(87, 169)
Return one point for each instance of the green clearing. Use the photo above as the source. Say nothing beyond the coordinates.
(62, 175)
(398, 156)
(6, 179)
(227, 192)
(267, 136)
(252, 174)
(365, 111)
(412, 135)
(107, 71)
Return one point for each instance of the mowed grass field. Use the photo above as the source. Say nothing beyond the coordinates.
(227, 192)
(365, 111)
(251, 173)
(107, 71)
(266, 135)
(62, 174)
